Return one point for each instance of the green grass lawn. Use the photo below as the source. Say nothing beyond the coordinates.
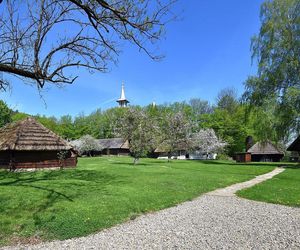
(282, 189)
(102, 192)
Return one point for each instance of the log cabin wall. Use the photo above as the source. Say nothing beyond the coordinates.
(36, 159)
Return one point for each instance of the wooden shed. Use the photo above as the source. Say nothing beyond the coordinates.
(28, 144)
(243, 157)
(265, 152)
(295, 148)
(114, 146)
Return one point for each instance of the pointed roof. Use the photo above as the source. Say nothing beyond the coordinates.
(295, 146)
(29, 134)
(264, 148)
(122, 97)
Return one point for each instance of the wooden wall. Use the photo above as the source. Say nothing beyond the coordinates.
(36, 159)
(243, 157)
(116, 151)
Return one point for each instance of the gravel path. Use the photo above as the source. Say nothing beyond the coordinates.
(212, 221)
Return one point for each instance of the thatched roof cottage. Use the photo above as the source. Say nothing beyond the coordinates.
(114, 146)
(295, 148)
(265, 152)
(28, 144)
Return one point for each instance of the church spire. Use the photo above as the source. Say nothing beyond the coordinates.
(122, 100)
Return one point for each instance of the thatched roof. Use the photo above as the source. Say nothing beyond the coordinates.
(264, 148)
(295, 146)
(29, 134)
(114, 143)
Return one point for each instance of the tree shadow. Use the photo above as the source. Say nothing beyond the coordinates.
(292, 166)
(61, 185)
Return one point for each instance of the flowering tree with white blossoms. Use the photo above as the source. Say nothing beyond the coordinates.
(86, 144)
(140, 131)
(206, 141)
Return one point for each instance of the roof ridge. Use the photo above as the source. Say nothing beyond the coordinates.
(50, 132)
(22, 135)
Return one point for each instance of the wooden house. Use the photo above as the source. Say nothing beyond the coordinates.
(162, 151)
(114, 146)
(243, 157)
(265, 152)
(28, 144)
(295, 148)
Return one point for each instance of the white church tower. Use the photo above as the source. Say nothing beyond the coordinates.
(122, 100)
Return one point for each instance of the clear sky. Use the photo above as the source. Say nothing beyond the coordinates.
(207, 50)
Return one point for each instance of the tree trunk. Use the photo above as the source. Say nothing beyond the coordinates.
(169, 156)
(136, 160)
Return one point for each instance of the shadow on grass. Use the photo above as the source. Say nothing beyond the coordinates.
(152, 163)
(60, 185)
(292, 166)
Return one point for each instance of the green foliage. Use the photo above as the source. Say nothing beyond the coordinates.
(5, 114)
(18, 116)
(233, 128)
(227, 99)
(176, 130)
(277, 49)
(140, 131)
(104, 191)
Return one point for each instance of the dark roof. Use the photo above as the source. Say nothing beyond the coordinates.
(295, 146)
(29, 134)
(114, 143)
(264, 148)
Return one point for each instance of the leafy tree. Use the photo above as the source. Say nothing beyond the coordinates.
(17, 116)
(200, 107)
(92, 40)
(140, 131)
(66, 127)
(176, 133)
(277, 50)
(82, 125)
(227, 99)
(232, 127)
(111, 122)
(5, 114)
(50, 123)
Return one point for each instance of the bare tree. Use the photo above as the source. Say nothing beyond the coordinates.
(40, 40)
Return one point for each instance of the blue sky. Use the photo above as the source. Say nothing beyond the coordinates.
(205, 51)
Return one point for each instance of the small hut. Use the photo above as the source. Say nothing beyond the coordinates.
(265, 152)
(114, 146)
(295, 148)
(162, 152)
(28, 144)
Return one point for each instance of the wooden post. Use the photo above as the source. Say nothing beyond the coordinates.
(11, 161)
